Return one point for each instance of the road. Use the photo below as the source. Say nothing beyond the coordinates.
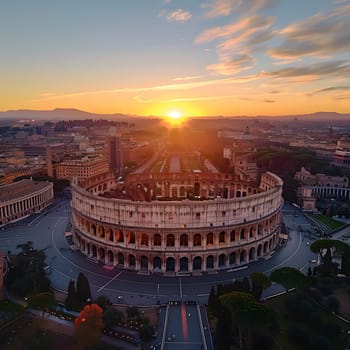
(47, 232)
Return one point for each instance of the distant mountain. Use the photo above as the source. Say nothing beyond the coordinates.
(71, 113)
(59, 114)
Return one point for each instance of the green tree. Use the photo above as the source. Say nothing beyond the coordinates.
(103, 302)
(259, 283)
(41, 301)
(345, 263)
(111, 317)
(83, 288)
(290, 277)
(246, 313)
(72, 300)
(145, 332)
(27, 275)
(132, 311)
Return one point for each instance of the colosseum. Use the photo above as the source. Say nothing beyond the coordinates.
(177, 215)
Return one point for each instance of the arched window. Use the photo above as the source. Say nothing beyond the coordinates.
(197, 240)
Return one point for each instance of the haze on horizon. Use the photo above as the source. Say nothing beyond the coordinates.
(208, 57)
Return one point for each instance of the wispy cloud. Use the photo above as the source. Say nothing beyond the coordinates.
(190, 77)
(240, 40)
(314, 71)
(322, 35)
(232, 66)
(269, 101)
(334, 88)
(216, 8)
(179, 15)
(164, 87)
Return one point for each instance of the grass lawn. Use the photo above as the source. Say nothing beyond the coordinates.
(331, 223)
(284, 321)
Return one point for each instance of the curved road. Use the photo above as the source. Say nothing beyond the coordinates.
(47, 232)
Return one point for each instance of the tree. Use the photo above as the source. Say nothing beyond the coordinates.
(320, 343)
(88, 325)
(333, 303)
(298, 336)
(259, 283)
(345, 263)
(27, 274)
(111, 317)
(132, 312)
(246, 313)
(41, 301)
(72, 301)
(83, 288)
(146, 332)
(103, 302)
(290, 277)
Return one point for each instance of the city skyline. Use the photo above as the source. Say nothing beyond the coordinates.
(176, 57)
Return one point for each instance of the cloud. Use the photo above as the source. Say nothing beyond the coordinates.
(177, 16)
(311, 71)
(269, 101)
(241, 39)
(191, 77)
(164, 87)
(233, 66)
(334, 88)
(321, 35)
(216, 8)
(253, 24)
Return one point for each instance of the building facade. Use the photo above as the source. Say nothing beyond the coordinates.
(23, 198)
(169, 225)
(81, 169)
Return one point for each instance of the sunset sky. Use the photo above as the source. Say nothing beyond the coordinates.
(208, 57)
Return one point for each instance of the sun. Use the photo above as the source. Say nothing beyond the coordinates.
(175, 118)
(175, 115)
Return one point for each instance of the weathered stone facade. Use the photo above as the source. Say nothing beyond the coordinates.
(178, 236)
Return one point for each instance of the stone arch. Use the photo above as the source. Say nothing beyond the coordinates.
(88, 248)
(242, 234)
(197, 263)
(210, 238)
(259, 251)
(110, 235)
(222, 237)
(131, 238)
(238, 193)
(233, 236)
(144, 263)
(132, 261)
(101, 254)
(197, 240)
(251, 232)
(157, 264)
(110, 257)
(210, 262)
(94, 251)
(265, 247)
(93, 229)
(170, 240)
(120, 236)
(144, 239)
(270, 244)
(184, 264)
(104, 187)
(243, 256)
(251, 254)
(260, 230)
(170, 264)
(184, 240)
(157, 239)
(120, 259)
(222, 260)
(232, 258)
